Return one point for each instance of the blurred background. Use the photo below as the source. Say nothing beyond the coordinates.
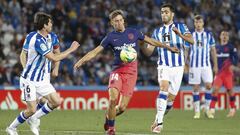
(87, 22)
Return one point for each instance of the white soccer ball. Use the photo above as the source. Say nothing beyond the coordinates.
(128, 54)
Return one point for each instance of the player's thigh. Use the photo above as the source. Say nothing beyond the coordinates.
(194, 76)
(129, 83)
(218, 81)
(164, 73)
(46, 90)
(176, 79)
(28, 90)
(228, 81)
(114, 84)
(207, 75)
(54, 98)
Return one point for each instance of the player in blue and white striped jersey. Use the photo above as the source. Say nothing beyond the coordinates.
(35, 78)
(200, 65)
(170, 65)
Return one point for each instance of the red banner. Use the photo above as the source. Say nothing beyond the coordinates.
(98, 100)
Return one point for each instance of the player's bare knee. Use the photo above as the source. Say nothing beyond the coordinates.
(112, 103)
(208, 86)
(171, 98)
(57, 103)
(196, 88)
(122, 108)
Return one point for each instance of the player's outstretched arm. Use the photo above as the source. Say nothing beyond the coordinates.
(90, 55)
(214, 59)
(23, 58)
(147, 49)
(187, 37)
(60, 56)
(159, 44)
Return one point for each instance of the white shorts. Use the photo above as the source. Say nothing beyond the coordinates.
(35, 90)
(173, 75)
(204, 73)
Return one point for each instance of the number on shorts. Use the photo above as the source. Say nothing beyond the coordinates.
(191, 75)
(114, 76)
(27, 89)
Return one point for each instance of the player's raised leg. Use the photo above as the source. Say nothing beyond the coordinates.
(54, 100)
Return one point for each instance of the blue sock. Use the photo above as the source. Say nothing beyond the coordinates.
(111, 123)
(40, 105)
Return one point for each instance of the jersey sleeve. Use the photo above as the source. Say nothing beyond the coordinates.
(184, 29)
(41, 47)
(154, 34)
(212, 40)
(105, 42)
(140, 35)
(55, 41)
(26, 43)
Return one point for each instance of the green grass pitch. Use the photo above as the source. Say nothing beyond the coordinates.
(132, 122)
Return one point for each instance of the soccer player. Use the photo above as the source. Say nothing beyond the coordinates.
(200, 66)
(124, 75)
(35, 78)
(227, 58)
(170, 65)
(41, 101)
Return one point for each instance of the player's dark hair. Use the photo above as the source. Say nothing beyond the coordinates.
(41, 18)
(198, 17)
(168, 5)
(115, 13)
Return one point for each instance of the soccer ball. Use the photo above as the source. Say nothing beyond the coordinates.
(128, 54)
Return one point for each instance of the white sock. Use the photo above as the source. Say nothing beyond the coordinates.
(19, 120)
(161, 105)
(41, 112)
(196, 101)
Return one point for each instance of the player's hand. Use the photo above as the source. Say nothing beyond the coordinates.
(176, 31)
(174, 49)
(78, 64)
(74, 45)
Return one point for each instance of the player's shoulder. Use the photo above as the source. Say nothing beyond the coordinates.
(207, 31)
(31, 34)
(53, 34)
(179, 24)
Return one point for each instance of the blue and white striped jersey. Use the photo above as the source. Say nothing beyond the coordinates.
(200, 51)
(38, 67)
(165, 34)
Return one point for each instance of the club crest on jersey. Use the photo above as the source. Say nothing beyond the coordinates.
(43, 47)
(225, 49)
(130, 36)
(49, 40)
